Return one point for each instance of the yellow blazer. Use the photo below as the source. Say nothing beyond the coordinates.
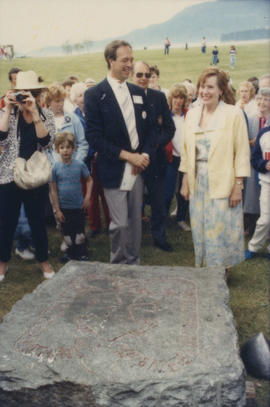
(229, 155)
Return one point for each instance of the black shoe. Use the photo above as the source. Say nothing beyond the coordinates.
(83, 258)
(64, 259)
(163, 246)
(93, 233)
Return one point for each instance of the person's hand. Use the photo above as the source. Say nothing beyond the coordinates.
(267, 166)
(9, 99)
(60, 216)
(85, 203)
(236, 196)
(139, 160)
(135, 170)
(30, 104)
(184, 191)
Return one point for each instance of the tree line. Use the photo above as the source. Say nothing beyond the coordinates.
(78, 47)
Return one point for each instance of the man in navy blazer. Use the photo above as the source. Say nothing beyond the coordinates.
(155, 174)
(118, 127)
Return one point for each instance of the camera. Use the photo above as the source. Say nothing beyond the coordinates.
(20, 97)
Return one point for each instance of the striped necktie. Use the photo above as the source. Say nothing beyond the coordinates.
(129, 116)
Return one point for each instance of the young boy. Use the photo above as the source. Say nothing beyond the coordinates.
(261, 162)
(67, 196)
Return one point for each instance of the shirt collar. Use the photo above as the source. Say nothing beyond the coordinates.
(115, 83)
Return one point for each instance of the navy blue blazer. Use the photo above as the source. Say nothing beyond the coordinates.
(106, 131)
(165, 129)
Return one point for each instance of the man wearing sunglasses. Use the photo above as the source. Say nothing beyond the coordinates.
(156, 172)
(119, 129)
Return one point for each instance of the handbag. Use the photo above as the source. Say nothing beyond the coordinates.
(32, 173)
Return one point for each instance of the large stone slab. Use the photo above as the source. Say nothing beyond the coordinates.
(115, 335)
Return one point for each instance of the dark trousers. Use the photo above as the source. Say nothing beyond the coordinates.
(155, 187)
(73, 233)
(11, 198)
(174, 181)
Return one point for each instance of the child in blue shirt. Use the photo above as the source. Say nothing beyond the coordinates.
(67, 196)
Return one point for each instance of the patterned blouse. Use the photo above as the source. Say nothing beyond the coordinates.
(10, 143)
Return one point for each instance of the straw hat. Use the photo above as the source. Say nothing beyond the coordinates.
(28, 80)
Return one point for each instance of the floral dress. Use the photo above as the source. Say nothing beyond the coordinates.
(217, 229)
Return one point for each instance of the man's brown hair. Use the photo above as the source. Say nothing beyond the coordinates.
(111, 49)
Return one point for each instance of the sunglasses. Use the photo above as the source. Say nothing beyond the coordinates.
(141, 74)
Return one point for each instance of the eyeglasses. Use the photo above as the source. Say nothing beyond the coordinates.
(141, 74)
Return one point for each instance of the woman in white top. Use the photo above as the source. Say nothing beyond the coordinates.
(177, 100)
(246, 92)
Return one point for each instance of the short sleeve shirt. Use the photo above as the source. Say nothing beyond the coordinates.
(68, 179)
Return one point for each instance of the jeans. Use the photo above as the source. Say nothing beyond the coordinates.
(11, 198)
(23, 232)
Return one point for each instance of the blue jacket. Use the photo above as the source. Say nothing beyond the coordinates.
(106, 131)
(72, 124)
(257, 160)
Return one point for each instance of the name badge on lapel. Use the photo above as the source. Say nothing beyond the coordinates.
(144, 115)
(137, 99)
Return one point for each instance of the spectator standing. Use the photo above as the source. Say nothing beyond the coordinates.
(215, 59)
(67, 84)
(232, 56)
(155, 174)
(251, 206)
(65, 122)
(255, 82)
(203, 45)
(154, 80)
(23, 232)
(118, 127)
(36, 129)
(94, 215)
(177, 101)
(264, 81)
(261, 162)
(67, 197)
(215, 158)
(246, 92)
(167, 44)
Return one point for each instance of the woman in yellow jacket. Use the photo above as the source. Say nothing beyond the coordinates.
(215, 158)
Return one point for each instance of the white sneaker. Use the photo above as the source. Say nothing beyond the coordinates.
(48, 275)
(25, 254)
(174, 212)
(63, 246)
(184, 226)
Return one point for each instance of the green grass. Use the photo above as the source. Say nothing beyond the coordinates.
(249, 281)
(180, 64)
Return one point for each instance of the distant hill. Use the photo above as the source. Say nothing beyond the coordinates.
(212, 20)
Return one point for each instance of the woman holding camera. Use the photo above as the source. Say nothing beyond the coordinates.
(24, 128)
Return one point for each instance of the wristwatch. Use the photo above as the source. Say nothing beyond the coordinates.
(239, 183)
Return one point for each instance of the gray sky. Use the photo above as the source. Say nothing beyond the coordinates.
(33, 24)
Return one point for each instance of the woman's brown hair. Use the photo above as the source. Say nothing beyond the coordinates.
(223, 82)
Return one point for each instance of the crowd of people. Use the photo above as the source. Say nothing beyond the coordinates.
(127, 142)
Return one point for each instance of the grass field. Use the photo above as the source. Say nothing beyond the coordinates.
(252, 60)
(249, 281)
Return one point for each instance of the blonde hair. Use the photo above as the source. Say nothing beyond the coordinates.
(249, 86)
(55, 91)
(64, 137)
(177, 90)
(76, 89)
